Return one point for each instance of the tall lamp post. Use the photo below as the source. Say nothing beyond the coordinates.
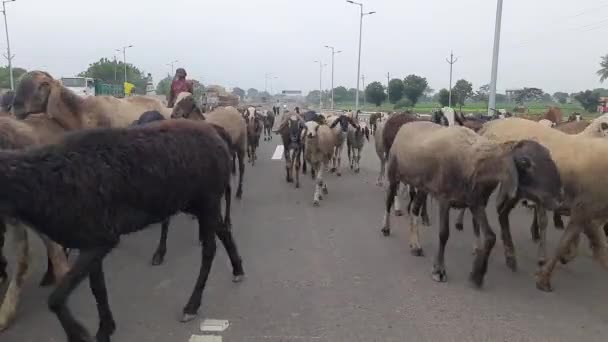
(321, 65)
(333, 53)
(8, 56)
(359, 60)
(124, 58)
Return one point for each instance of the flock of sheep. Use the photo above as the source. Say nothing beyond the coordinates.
(121, 165)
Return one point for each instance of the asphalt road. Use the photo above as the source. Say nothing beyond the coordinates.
(328, 274)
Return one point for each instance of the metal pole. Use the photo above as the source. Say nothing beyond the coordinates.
(451, 62)
(115, 68)
(492, 99)
(320, 86)
(9, 57)
(359, 60)
(363, 79)
(388, 81)
(124, 57)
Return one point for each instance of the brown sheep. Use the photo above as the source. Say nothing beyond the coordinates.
(227, 117)
(577, 160)
(461, 170)
(39, 92)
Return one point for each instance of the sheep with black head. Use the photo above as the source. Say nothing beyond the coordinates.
(98, 175)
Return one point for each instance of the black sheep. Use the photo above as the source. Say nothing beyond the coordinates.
(96, 185)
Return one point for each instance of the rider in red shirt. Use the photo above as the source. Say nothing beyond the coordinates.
(179, 84)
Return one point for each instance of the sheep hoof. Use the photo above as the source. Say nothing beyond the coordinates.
(332, 170)
(459, 226)
(416, 251)
(511, 263)
(543, 284)
(439, 275)
(426, 221)
(398, 212)
(157, 259)
(3, 278)
(186, 317)
(325, 191)
(339, 174)
(541, 262)
(476, 279)
(297, 185)
(386, 231)
(289, 180)
(315, 203)
(239, 194)
(238, 278)
(320, 197)
(357, 170)
(379, 183)
(559, 227)
(102, 337)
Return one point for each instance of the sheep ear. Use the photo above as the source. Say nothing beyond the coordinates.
(59, 110)
(508, 185)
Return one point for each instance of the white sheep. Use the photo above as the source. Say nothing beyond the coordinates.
(319, 143)
(355, 140)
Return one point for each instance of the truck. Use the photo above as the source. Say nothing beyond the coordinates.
(88, 86)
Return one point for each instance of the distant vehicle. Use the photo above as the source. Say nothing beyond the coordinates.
(88, 86)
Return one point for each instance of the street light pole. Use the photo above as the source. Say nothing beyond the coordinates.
(492, 99)
(8, 56)
(172, 66)
(333, 53)
(124, 58)
(359, 59)
(320, 84)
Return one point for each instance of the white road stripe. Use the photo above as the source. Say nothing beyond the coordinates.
(214, 325)
(205, 338)
(278, 153)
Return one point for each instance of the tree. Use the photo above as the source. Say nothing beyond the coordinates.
(352, 92)
(546, 98)
(5, 81)
(443, 97)
(527, 94)
(501, 98)
(413, 87)
(164, 86)
(403, 103)
(374, 93)
(238, 92)
(395, 90)
(588, 99)
(561, 97)
(602, 91)
(603, 72)
(252, 93)
(482, 94)
(340, 94)
(110, 72)
(461, 92)
(313, 97)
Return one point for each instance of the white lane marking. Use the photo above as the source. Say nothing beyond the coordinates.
(214, 325)
(278, 153)
(205, 338)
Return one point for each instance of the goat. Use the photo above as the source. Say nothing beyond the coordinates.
(97, 174)
(463, 175)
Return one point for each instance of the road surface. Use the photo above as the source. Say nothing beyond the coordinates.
(327, 274)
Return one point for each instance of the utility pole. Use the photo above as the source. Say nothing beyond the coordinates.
(451, 62)
(388, 81)
(8, 55)
(172, 66)
(320, 84)
(115, 69)
(124, 58)
(333, 53)
(492, 99)
(363, 79)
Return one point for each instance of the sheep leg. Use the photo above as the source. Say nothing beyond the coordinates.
(303, 150)
(339, 160)
(542, 222)
(543, 276)
(414, 237)
(297, 166)
(350, 159)
(379, 182)
(557, 220)
(225, 236)
(480, 265)
(438, 273)
(534, 229)
(57, 262)
(460, 219)
(97, 283)
(477, 243)
(287, 157)
(239, 190)
(391, 194)
(597, 240)
(8, 310)
(207, 226)
(425, 215)
(398, 211)
(318, 184)
(324, 184)
(57, 302)
(505, 230)
(161, 249)
(3, 262)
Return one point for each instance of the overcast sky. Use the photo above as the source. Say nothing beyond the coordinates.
(552, 44)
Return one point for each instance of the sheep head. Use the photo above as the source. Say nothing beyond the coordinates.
(32, 94)
(603, 129)
(184, 107)
(534, 175)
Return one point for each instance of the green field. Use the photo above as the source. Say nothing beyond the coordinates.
(479, 107)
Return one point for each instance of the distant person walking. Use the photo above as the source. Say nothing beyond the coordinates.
(178, 85)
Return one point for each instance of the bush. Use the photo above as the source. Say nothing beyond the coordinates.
(404, 103)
